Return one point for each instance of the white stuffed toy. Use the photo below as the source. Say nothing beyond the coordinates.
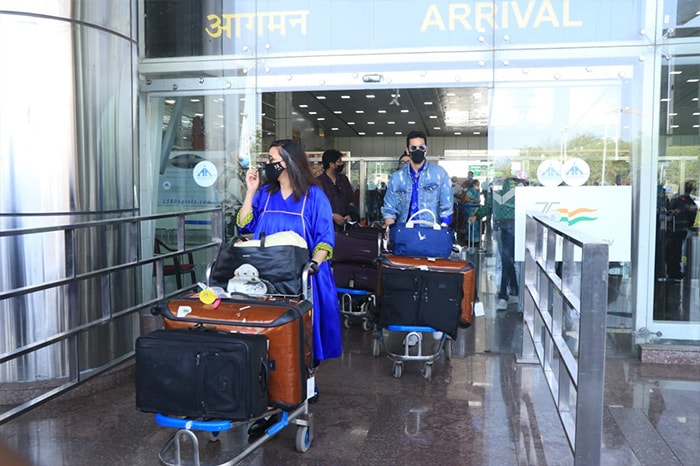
(247, 280)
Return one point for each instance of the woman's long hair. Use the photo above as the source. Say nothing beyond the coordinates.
(298, 168)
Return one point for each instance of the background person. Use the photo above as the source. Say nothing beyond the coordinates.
(501, 205)
(292, 201)
(338, 188)
(472, 203)
(418, 185)
(680, 217)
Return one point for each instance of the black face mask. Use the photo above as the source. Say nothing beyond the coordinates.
(339, 168)
(417, 156)
(273, 170)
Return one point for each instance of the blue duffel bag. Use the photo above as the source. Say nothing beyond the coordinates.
(421, 238)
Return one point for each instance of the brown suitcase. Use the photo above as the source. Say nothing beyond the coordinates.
(465, 268)
(285, 322)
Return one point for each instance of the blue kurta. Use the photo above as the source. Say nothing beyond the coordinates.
(311, 217)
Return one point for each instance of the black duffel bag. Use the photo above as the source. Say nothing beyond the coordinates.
(280, 266)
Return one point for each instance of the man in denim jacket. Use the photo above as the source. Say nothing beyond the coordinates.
(418, 185)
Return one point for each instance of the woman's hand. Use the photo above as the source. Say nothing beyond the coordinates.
(252, 179)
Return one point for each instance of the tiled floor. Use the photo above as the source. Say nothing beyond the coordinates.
(479, 408)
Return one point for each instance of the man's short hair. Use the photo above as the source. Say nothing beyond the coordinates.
(330, 156)
(416, 134)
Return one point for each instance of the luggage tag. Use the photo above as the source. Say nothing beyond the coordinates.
(478, 308)
(310, 387)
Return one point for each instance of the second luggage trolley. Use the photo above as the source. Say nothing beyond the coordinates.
(286, 321)
(420, 296)
(355, 271)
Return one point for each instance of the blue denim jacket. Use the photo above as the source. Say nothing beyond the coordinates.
(434, 193)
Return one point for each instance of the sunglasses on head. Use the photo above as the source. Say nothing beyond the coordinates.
(420, 147)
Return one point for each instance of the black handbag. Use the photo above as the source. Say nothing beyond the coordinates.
(280, 266)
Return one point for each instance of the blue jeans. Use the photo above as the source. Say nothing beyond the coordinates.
(506, 249)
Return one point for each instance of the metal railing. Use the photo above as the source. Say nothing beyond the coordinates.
(564, 320)
(108, 279)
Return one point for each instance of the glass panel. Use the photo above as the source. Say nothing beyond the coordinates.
(677, 258)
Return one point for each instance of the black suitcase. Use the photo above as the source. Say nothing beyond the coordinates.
(359, 245)
(202, 374)
(356, 276)
(420, 298)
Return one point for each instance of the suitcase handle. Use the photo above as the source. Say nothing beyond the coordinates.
(264, 375)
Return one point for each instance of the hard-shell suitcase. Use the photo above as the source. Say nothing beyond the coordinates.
(355, 275)
(197, 373)
(359, 245)
(462, 287)
(285, 322)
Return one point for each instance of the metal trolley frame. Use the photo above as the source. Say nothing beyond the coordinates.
(299, 416)
(411, 352)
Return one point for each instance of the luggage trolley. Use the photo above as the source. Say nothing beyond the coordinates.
(358, 304)
(355, 271)
(421, 296)
(298, 415)
(413, 339)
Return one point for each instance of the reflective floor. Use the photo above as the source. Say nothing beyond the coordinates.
(479, 408)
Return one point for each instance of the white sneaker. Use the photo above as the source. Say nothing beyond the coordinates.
(502, 305)
(513, 299)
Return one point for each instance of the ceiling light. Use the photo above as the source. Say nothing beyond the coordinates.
(350, 123)
(370, 96)
(395, 98)
(370, 122)
(411, 122)
(380, 133)
(334, 129)
(404, 110)
(359, 111)
(361, 133)
(427, 103)
(694, 80)
(321, 97)
(436, 127)
(320, 119)
(337, 112)
(390, 122)
(313, 113)
(433, 117)
(381, 111)
(345, 97)
(675, 72)
(458, 133)
(195, 100)
(303, 106)
(398, 132)
(477, 132)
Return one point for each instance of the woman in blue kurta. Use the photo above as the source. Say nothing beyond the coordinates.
(292, 201)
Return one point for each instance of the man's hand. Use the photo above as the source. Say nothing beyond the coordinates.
(338, 219)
